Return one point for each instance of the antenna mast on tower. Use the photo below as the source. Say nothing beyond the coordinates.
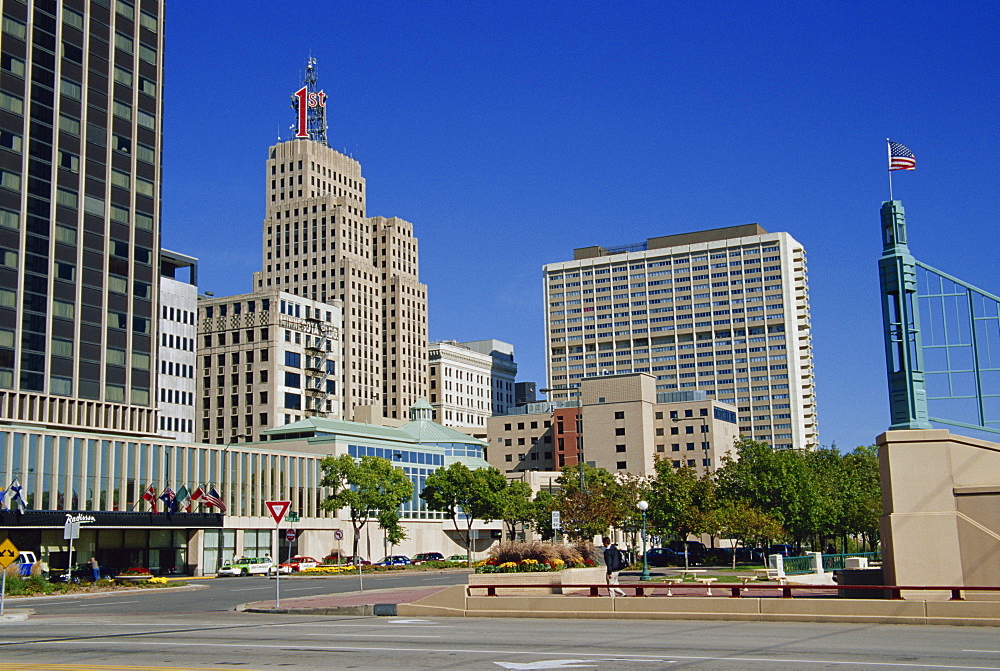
(310, 107)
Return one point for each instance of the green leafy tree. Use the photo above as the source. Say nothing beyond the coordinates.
(861, 493)
(569, 479)
(748, 526)
(679, 501)
(370, 488)
(516, 506)
(459, 491)
(543, 505)
(588, 514)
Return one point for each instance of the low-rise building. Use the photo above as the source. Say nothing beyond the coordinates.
(619, 423)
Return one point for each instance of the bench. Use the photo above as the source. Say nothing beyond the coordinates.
(707, 582)
(746, 579)
(672, 581)
(766, 573)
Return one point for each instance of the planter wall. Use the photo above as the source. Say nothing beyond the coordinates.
(570, 576)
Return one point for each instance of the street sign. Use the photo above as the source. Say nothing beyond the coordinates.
(71, 530)
(338, 535)
(278, 509)
(556, 522)
(8, 553)
(292, 516)
(290, 535)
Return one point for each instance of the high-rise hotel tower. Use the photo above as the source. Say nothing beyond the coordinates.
(725, 311)
(320, 244)
(80, 141)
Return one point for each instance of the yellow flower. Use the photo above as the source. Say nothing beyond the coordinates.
(158, 581)
(508, 564)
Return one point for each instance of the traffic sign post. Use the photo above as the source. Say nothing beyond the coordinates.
(278, 510)
(290, 536)
(8, 553)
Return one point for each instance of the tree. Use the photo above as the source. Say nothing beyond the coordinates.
(543, 505)
(861, 491)
(679, 501)
(744, 523)
(370, 487)
(588, 514)
(474, 494)
(516, 506)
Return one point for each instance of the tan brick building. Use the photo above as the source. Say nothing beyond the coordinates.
(619, 423)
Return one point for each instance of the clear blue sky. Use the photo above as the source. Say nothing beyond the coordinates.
(510, 133)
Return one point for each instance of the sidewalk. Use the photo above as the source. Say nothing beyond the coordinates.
(368, 602)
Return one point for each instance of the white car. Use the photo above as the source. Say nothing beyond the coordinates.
(246, 566)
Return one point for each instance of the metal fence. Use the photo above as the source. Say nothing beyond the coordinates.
(800, 565)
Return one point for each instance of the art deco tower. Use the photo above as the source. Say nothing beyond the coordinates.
(318, 243)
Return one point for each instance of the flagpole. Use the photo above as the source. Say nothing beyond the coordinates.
(888, 165)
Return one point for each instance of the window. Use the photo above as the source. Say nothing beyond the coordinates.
(619, 415)
(620, 431)
(622, 465)
(619, 448)
(293, 359)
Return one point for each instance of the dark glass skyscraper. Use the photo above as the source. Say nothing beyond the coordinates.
(80, 143)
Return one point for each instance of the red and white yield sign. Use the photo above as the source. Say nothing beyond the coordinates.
(289, 535)
(278, 509)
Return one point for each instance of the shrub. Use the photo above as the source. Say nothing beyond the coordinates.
(521, 557)
(136, 570)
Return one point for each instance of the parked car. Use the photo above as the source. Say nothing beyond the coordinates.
(421, 557)
(242, 566)
(25, 561)
(296, 564)
(461, 558)
(393, 560)
(349, 559)
(696, 551)
(781, 549)
(80, 573)
(664, 557)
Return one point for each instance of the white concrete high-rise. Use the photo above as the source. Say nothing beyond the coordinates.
(177, 351)
(725, 311)
(471, 381)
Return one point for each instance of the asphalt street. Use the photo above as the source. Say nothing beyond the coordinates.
(197, 628)
(259, 642)
(224, 594)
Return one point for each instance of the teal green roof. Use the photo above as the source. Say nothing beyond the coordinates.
(427, 431)
(418, 431)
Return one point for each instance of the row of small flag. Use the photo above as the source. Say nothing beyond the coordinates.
(174, 502)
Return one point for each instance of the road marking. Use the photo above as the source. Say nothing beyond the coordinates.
(993, 651)
(104, 603)
(472, 651)
(567, 663)
(250, 589)
(396, 621)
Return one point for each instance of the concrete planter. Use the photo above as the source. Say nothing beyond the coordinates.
(131, 579)
(570, 576)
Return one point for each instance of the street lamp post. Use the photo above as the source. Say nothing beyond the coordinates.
(643, 505)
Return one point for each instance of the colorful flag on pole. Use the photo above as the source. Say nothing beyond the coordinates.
(150, 496)
(900, 157)
(212, 498)
(3, 495)
(181, 499)
(197, 494)
(168, 499)
(16, 500)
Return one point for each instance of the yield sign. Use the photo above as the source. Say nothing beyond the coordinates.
(278, 509)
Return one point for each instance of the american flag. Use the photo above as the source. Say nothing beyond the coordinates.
(212, 498)
(900, 157)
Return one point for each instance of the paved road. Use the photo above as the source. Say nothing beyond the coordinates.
(223, 594)
(263, 642)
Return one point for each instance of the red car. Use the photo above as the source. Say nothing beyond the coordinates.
(297, 563)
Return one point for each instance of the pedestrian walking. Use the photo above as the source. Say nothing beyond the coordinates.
(613, 562)
(95, 568)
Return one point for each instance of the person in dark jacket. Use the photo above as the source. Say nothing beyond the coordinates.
(612, 563)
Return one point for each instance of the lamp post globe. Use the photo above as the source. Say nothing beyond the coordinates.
(643, 506)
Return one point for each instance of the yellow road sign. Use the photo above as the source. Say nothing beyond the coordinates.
(8, 553)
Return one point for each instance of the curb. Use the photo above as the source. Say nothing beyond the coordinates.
(380, 609)
(19, 615)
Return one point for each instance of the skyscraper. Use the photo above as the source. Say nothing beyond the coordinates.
(319, 244)
(724, 311)
(80, 142)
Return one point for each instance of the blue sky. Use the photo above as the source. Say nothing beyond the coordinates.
(510, 133)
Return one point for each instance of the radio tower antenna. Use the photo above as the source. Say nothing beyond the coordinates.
(309, 104)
